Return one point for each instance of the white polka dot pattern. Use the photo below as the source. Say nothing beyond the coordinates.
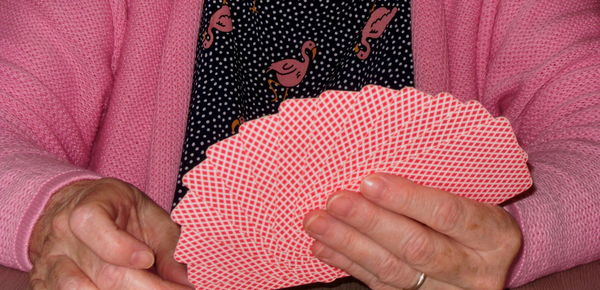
(248, 60)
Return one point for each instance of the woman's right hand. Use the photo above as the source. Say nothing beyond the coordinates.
(104, 234)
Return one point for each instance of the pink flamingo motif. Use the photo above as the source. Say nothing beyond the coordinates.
(253, 8)
(235, 125)
(221, 21)
(290, 72)
(374, 28)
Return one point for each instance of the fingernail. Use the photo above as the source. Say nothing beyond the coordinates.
(317, 225)
(340, 205)
(372, 185)
(142, 259)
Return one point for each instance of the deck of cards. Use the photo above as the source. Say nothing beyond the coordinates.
(242, 217)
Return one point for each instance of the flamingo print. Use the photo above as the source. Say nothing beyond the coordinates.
(253, 8)
(235, 125)
(374, 28)
(221, 21)
(290, 72)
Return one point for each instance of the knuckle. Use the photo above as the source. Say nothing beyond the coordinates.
(369, 221)
(403, 196)
(60, 224)
(447, 215)
(323, 252)
(418, 249)
(82, 215)
(406, 196)
(347, 238)
(390, 268)
(346, 264)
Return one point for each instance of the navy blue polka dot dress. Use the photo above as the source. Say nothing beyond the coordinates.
(253, 54)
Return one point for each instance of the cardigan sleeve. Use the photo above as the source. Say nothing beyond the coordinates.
(538, 64)
(56, 66)
(543, 72)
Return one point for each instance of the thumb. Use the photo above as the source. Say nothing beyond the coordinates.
(162, 236)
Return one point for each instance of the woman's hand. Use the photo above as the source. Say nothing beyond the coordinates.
(104, 234)
(397, 229)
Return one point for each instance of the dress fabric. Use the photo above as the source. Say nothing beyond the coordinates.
(102, 89)
(251, 57)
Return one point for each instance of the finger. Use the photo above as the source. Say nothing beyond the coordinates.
(65, 274)
(134, 279)
(386, 267)
(416, 245)
(333, 258)
(471, 223)
(93, 222)
(109, 276)
(162, 236)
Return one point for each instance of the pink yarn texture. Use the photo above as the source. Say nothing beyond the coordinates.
(101, 88)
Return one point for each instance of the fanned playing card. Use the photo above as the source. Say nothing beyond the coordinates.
(242, 217)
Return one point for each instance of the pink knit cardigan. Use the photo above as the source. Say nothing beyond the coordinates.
(101, 88)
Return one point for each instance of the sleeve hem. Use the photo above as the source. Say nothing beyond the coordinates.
(36, 207)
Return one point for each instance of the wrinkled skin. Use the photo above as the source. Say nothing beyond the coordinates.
(89, 234)
(394, 229)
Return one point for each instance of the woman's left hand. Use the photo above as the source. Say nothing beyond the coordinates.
(397, 229)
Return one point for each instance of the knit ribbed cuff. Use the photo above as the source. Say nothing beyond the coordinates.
(36, 207)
